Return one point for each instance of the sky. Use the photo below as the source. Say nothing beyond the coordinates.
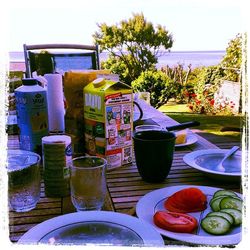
(196, 25)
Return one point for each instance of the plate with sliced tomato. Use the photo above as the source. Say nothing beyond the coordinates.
(195, 214)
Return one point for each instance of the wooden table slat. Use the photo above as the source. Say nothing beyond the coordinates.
(22, 221)
(171, 175)
(187, 181)
(36, 212)
(22, 228)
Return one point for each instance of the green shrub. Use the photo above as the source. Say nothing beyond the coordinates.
(160, 86)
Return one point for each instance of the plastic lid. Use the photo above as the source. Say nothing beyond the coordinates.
(98, 82)
(29, 81)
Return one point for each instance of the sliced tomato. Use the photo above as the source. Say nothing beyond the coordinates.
(171, 206)
(186, 200)
(196, 195)
(175, 222)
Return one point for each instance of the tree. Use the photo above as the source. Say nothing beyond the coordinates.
(232, 61)
(133, 46)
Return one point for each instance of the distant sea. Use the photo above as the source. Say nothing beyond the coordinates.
(195, 58)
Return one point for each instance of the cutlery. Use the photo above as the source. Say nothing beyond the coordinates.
(228, 154)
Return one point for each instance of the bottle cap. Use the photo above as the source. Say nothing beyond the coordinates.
(98, 82)
(29, 81)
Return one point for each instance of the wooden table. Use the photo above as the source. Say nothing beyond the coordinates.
(125, 186)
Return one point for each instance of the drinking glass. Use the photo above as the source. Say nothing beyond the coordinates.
(88, 182)
(23, 180)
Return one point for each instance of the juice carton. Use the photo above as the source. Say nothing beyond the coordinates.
(74, 82)
(108, 110)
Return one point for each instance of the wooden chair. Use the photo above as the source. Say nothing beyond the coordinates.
(60, 57)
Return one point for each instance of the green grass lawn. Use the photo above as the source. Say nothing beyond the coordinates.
(209, 124)
(175, 108)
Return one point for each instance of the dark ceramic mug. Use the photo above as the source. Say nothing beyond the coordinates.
(154, 151)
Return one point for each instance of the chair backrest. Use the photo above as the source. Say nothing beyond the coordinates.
(50, 58)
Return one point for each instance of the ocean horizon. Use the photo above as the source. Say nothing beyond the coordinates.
(195, 58)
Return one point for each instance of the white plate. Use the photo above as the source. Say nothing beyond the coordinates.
(154, 201)
(191, 139)
(208, 160)
(93, 227)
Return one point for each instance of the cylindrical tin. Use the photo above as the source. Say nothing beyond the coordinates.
(57, 151)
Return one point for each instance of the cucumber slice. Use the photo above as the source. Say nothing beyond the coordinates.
(216, 225)
(215, 203)
(237, 215)
(230, 202)
(227, 216)
(224, 192)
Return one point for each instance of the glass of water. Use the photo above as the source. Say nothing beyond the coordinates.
(88, 182)
(23, 180)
